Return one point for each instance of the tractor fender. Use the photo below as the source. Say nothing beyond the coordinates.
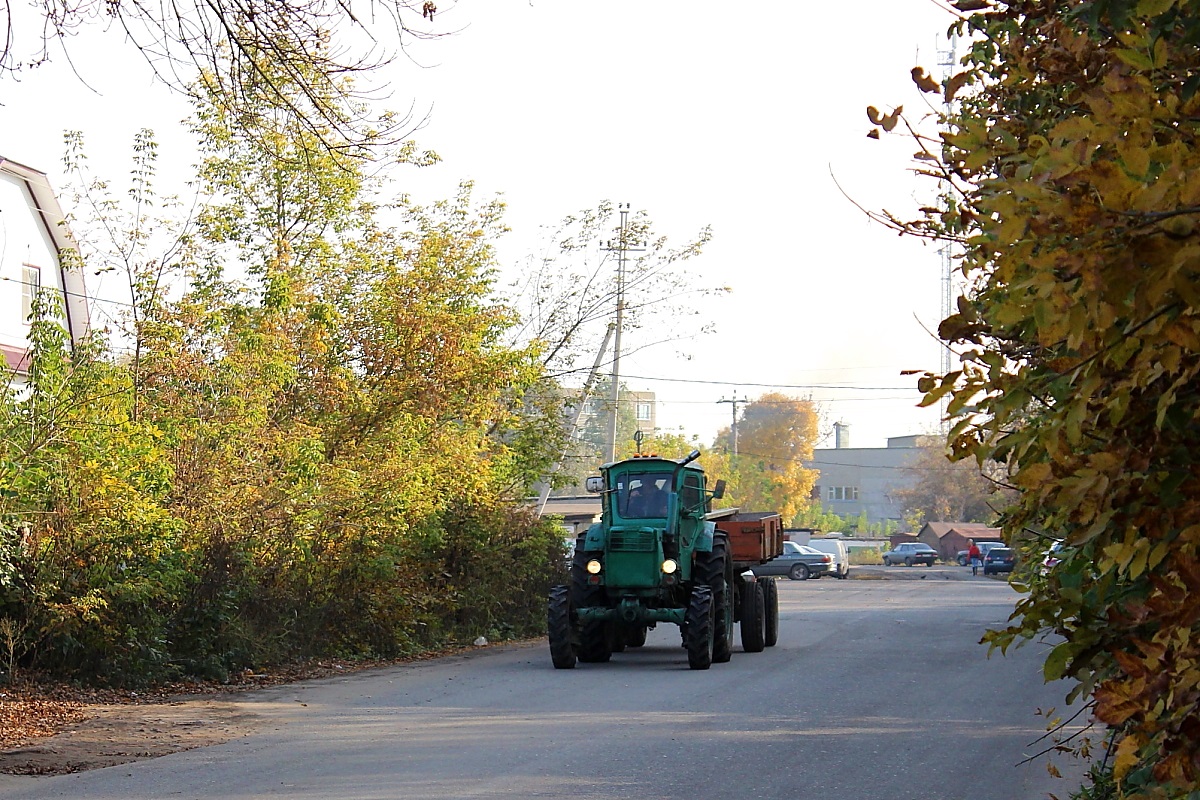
(704, 538)
(594, 539)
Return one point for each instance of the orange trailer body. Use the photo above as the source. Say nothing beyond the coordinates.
(755, 537)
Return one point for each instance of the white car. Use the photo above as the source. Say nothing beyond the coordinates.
(840, 553)
(1053, 556)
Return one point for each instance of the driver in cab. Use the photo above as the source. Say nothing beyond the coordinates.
(647, 500)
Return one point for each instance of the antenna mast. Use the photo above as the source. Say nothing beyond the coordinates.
(946, 60)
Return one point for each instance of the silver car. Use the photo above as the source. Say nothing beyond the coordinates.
(798, 562)
(909, 553)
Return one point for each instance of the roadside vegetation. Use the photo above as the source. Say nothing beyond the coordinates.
(307, 435)
(1070, 178)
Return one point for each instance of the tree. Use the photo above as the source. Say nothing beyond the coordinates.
(776, 434)
(310, 75)
(567, 294)
(1071, 178)
(324, 401)
(941, 490)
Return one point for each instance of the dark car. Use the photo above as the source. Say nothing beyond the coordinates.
(999, 559)
(797, 562)
(910, 553)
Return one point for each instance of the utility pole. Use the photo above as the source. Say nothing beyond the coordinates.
(622, 248)
(733, 429)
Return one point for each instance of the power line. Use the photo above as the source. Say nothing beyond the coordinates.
(663, 401)
(775, 385)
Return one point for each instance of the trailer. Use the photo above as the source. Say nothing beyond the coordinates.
(755, 537)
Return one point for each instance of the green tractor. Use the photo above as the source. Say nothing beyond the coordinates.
(655, 557)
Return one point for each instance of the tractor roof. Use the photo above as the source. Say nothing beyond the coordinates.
(647, 463)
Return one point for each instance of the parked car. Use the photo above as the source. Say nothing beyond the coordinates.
(999, 559)
(984, 547)
(798, 562)
(841, 555)
(910, 553)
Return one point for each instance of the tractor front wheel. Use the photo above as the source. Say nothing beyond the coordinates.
(595, 642)
(714, 570)
(699, 628)
(558, 625)
(635, 637)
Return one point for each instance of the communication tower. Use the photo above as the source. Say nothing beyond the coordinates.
(947, 56)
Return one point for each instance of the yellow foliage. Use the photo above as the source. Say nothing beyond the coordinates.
(1074, 169)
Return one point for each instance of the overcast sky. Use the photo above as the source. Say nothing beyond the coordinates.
(737, 116)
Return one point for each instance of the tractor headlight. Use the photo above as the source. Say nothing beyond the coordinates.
(593, 567)
(669, 566)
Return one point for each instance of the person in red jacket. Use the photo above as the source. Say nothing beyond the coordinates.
(974, 556)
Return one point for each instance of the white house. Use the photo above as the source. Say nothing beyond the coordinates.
(33, 238)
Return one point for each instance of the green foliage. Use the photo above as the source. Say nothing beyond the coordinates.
(818, 518)
(324, 457)
(1072, 180)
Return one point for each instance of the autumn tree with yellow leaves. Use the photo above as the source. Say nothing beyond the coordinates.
(1071, 179)
(775, 436)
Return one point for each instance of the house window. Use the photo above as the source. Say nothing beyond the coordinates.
(842, 493)
(643, 411)
(31, 283)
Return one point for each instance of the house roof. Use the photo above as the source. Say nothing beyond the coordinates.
(53, 221)
(586, 506)
(941, 529)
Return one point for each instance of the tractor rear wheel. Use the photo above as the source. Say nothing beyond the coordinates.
(713, 570)
(754, 619)
(558, 624)
(699, 631)
(771, 596)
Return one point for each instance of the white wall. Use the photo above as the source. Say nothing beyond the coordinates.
(23, 241)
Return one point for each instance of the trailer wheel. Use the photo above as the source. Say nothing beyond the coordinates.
(771, 596)
(712, 570)
(754, 619)
(558, 625)
(699, 632)
(799, 572)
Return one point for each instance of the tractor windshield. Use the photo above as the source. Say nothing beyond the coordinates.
(643, 495)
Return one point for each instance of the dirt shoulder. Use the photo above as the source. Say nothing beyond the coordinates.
(90, 735)
(52, 729)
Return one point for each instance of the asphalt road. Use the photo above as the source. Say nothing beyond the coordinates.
(877, 689)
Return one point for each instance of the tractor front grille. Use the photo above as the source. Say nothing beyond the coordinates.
(632, 540)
